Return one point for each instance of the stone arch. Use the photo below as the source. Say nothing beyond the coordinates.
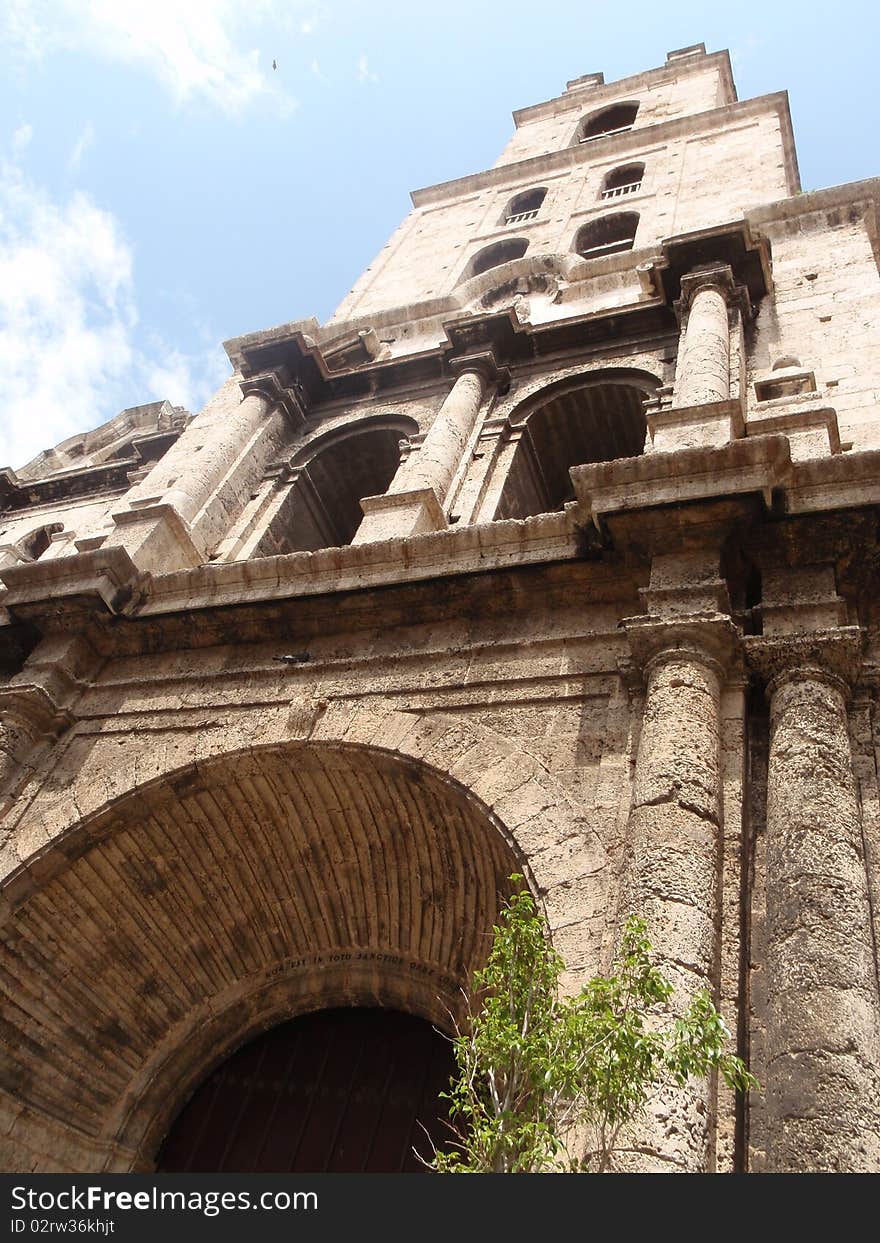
(592, 417)
(31, 545)
(318, 506)
(400, 425)
(607, 235)
(138, 954)
(613, 119)
(623, 180)
(494, 255)
(524, 205)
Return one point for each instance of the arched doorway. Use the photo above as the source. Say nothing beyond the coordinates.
(348, 1090)
(592, 418)
(218, 902)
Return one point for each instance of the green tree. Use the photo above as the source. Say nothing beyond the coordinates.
(536, 1072)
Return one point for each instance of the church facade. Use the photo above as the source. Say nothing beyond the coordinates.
(553, 552)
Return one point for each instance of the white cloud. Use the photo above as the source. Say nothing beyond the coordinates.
(22, 137)
(185, 379)
(69, 352)
(364, 73)
(84, 143)
(198, 49)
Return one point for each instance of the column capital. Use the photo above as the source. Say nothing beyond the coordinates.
(279, 392)
(712, 639)
(832, 656)
(483, 364)
(717, 276)
(34, 709)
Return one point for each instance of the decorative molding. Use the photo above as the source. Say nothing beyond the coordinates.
(710, 638)
(32, 707)
(485, 364)
(717, 276)
(287, 394)
(830, 655)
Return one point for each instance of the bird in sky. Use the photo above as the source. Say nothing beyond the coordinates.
(274, 66)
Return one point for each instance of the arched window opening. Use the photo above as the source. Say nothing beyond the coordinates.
(338, 1091)
(322, 508)
(623, 181)
(496, 254)
(579, 422)
(614, 120)
(36, 542)
(524, 206)
(607, 235)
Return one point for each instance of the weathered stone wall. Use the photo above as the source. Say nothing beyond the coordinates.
(823, 312)
(534, 726)
(691, 180)
(686, 91)
(235, 786)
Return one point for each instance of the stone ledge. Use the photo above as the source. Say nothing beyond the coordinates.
(843, 481)
(457, 550)
(106, 575)
(760, 465)
(416, 511)
(728, 412)
(783, 415)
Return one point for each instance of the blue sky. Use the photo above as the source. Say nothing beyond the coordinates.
(163, 188)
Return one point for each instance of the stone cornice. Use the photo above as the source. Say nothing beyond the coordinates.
(759, 465)
(85, 482)
(604, 93)
(436, 555)
(734, 244)
(499, 332)
(810, 201)
(626, 144)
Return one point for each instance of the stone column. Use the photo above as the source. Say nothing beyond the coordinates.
(703, 370)
(823, 1024)
(674, 849)
(185, 505)
(702, 412)
(417, 495)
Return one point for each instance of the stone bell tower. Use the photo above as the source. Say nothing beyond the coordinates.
(553, 551)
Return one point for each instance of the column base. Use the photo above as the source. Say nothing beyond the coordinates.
(398, 515)
(708, 426)
(156, 538)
